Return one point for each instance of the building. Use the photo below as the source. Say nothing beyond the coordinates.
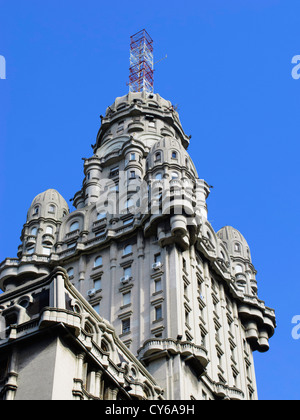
(133, 280)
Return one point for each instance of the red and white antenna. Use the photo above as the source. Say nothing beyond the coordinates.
(141, 63)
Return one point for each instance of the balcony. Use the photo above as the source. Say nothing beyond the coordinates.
(48, 239)
(135, 126)
(192, 353)
(30, 240)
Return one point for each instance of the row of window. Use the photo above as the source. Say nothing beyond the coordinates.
(51, 210)
(157, 317)
(49, 230)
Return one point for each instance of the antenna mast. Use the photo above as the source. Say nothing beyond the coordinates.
(141, 63)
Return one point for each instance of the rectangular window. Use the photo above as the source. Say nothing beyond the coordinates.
(126, 326)
(46, 250)
(127, 271)
(97, 308)
(158, 286)
(158, 313)
(132, 156)
(114, 171)
(126, 298)
(97, 284)
(120, 126)
(49, 230)
(157, 258)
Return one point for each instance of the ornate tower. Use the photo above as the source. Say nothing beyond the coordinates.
(140, 249)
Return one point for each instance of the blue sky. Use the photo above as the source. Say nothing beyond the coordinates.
(228, 70)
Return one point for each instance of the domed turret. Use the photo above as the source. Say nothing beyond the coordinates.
(169, 151)
(236, 244)
(48, 204)
(44, 216)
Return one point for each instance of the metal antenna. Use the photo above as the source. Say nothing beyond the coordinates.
(141, 63)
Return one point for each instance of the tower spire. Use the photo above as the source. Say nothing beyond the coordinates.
(141, 62)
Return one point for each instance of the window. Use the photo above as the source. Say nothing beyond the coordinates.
(158, 313)
(36, 210)
(158, 176)
(237, 247)
(74, 226)
(126, 326)
(127, 272)
(97, 308)
(51, 209)
(70, 272)
(158, 157)
(115, 187)
(88, 175)
(132, 156)
(174, 155)
(157, 258)
(98, 261)
(127, 250)
(46, 250)
(126, 298)
(238, 269)
(114, 171)
(49, 230)
(132, 175)
(158, 286)
(186, 317)
(97, 284)
(30, 251)
(120, 126)
(33, 231)
(101, 216)
(174, 175)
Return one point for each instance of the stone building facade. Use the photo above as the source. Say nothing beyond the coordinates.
(180, 300)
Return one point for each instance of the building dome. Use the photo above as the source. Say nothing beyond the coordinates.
(152, 100)
(48, 204)
(235, 243)
(170, 151)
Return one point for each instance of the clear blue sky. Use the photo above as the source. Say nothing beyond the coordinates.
(228, 69)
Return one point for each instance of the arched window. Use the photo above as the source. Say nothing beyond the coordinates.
(74, 226)
(174, 154)
(36, 210)
(174, 175)
(51, 209)
(70, 272)
(127, 250)
(238, 269)
(33, 231)
(158, 176)
(158, 157)
(98, 261)
(49, 230)
(237, 247)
